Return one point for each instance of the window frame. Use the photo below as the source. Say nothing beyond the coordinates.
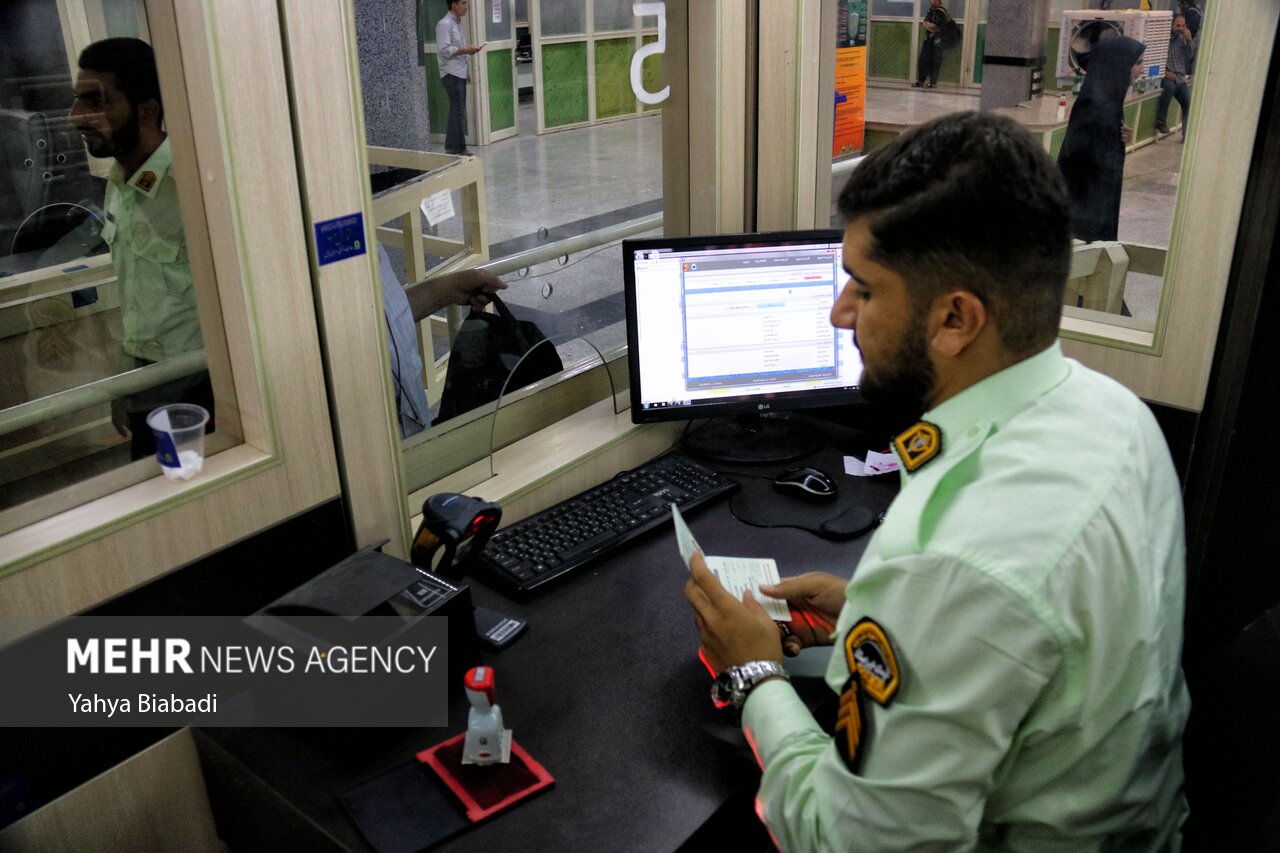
(250, 202)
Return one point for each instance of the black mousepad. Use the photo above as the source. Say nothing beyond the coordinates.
(760, 504)
(405, 810)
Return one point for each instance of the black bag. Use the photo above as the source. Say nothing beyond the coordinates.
(948, 33)
(487, 348)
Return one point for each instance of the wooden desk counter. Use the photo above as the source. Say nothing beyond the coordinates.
(605, 690)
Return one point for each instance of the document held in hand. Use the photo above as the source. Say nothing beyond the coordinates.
(736, 574)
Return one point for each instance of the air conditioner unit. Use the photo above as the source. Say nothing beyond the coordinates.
(1082, 29)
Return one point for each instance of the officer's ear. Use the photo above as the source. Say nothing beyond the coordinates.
(149, 112)
(957, 318)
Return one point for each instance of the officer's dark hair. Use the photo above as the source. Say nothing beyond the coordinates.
(133, 64)
(971, 200)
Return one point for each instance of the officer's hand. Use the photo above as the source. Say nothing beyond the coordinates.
(815, 600)
(732, 631)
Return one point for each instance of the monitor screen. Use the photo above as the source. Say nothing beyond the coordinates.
(736, 324)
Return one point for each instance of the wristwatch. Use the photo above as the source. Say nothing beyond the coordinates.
(732, 685)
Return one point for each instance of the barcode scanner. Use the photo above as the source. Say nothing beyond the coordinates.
(454, 529)
(453, 533)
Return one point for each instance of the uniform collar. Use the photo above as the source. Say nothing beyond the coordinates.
(995, 399)
(954, 430)
(147, 179)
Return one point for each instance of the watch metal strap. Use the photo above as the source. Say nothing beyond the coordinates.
(744, 677)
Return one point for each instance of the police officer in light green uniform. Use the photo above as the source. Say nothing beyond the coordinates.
(1007, 653)
(149, 253)
(118, 112)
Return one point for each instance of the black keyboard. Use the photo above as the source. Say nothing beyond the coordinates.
(584, 528)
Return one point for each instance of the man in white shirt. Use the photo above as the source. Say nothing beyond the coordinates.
(451, 53)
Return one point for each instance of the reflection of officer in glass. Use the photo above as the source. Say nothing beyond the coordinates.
(118, 113)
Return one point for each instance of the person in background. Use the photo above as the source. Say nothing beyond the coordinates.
(119, 115)
(404, 308)
(1177, 74)
(451, 53)
(1093, 150)
(1007, 651)
(931, 52)
(1190, 9)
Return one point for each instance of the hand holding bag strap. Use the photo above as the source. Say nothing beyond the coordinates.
(503, 310)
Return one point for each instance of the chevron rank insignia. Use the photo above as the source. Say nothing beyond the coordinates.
(849, 719)
(918, 445)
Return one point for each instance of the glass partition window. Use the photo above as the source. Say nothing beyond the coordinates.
(956, 8)
(563, 17)
(99, 324)
(892, 8)
(1134, 173)
(519, 196)
(612, 15)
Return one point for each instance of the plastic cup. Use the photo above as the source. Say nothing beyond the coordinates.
(179, 432)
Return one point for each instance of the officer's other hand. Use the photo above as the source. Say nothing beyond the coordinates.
(815, 600)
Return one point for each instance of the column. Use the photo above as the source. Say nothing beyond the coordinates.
(1014, 62)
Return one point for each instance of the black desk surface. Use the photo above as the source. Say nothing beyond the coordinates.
(605, 690)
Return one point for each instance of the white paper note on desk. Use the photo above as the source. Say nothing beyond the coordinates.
(736, 574)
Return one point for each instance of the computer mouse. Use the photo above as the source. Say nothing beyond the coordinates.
(806, 483)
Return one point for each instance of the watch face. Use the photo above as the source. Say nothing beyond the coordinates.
(722, 690)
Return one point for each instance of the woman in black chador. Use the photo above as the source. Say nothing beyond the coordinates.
(1092, 156)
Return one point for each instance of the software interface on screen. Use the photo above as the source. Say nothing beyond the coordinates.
(725, 323)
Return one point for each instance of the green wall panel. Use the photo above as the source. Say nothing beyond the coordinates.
(613, 78)
(889, 50)
(1146, 120)
(564, 83)
(502, 90)
(1051, 57)
(1055, 142)
(437, 100)
(651, 73)
(979, 50)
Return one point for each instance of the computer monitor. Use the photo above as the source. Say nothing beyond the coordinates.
(738, 325)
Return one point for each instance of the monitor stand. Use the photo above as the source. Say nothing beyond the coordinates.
(753, 439)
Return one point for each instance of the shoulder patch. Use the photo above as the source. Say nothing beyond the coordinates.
(918, 445)
(146, 181)
(849, 719)
(870, 656)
